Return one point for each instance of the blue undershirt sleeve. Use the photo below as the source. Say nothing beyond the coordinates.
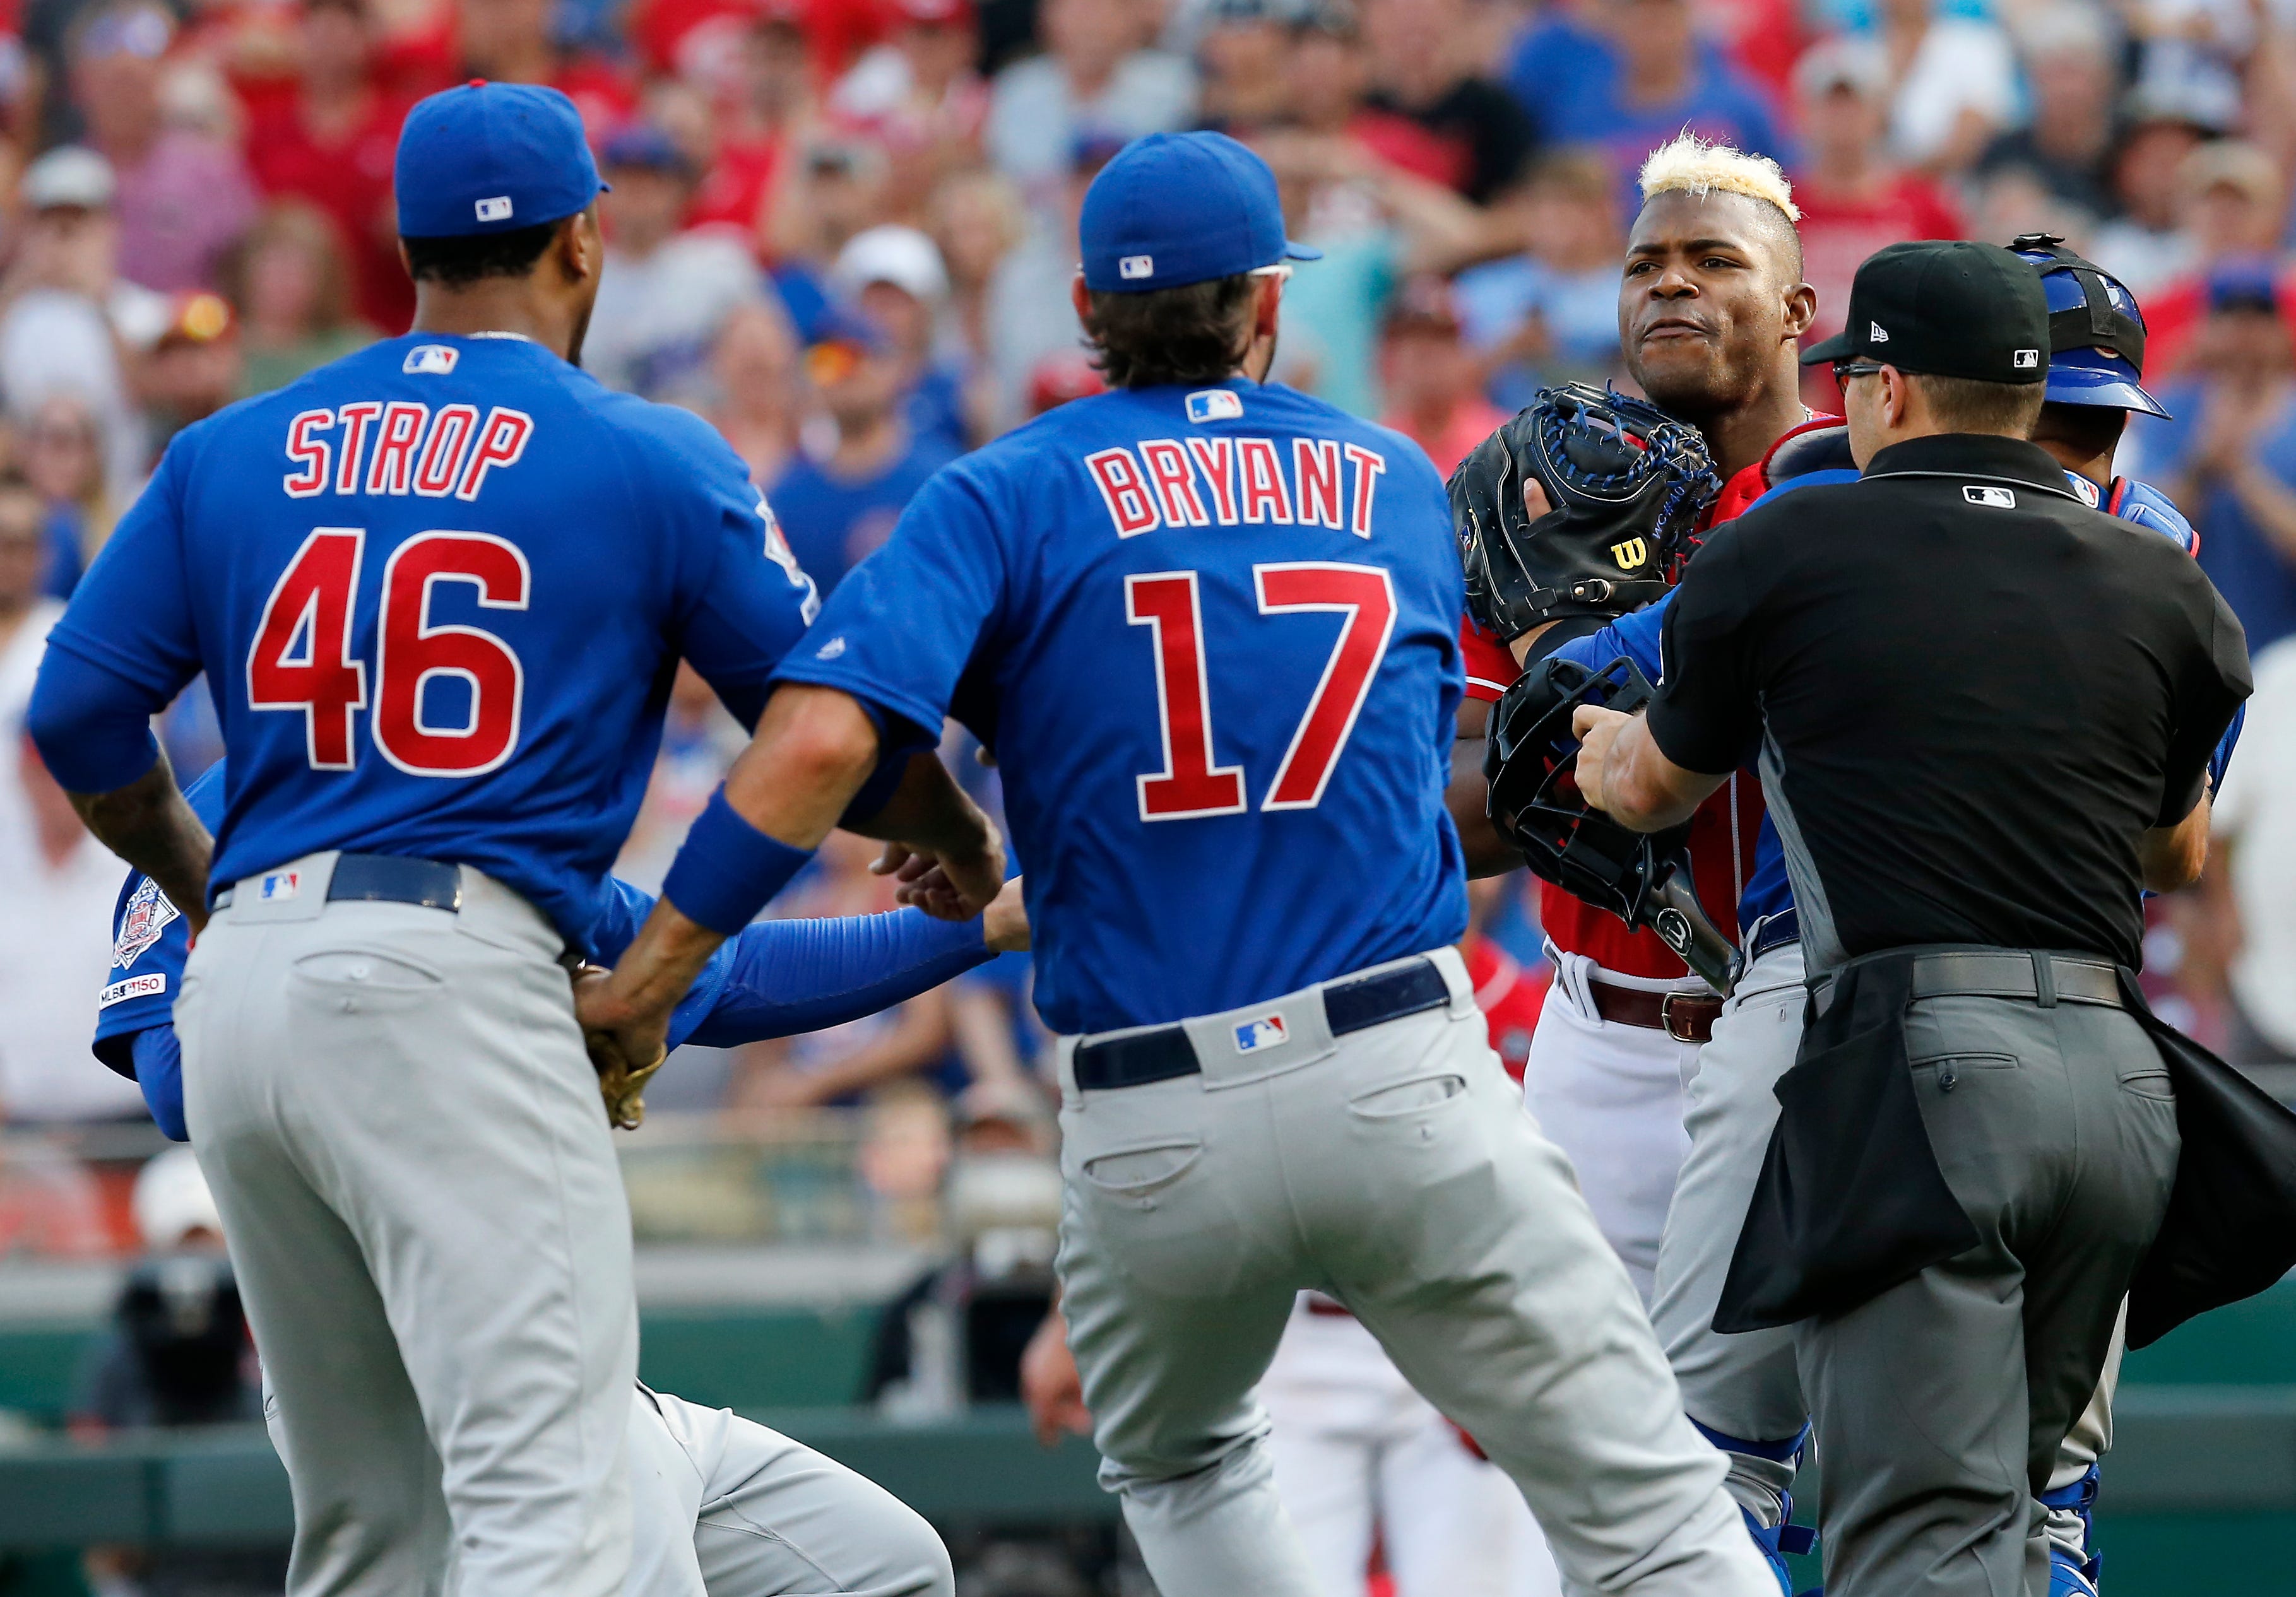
(160, 1072)
(787, 977)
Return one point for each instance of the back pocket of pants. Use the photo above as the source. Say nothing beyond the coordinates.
(1407, 1098)
(1947, 1070)
(1142, 1172)
(362, 982)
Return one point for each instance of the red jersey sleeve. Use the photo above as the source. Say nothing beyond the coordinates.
(1490, 664)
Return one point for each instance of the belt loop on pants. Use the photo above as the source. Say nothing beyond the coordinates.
(1163, 1053)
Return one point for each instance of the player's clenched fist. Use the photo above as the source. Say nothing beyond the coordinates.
(1598, 729)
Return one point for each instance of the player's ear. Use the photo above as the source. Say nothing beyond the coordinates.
(580, 247)
(1801, 309)
(1080, 297)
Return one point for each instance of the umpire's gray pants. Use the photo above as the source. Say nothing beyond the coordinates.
(405, 1142)
(1941, 1405)
(1395, 1169)
(1749, 1386)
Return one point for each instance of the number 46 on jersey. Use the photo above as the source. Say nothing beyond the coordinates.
(301, 657)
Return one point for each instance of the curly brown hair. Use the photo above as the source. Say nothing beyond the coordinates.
(1195, 333)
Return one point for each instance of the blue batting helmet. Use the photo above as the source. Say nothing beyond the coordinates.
(2096, 331)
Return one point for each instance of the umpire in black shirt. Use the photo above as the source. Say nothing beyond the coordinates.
(1983, 713)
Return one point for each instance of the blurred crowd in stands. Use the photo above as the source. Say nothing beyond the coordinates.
(843, 231)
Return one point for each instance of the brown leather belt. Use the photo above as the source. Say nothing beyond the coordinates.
(1686, 1017)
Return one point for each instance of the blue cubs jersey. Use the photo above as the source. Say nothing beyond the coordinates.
(439, 590)
(1768, 891)
(1211, 636)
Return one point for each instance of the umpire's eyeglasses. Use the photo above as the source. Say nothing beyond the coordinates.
(1844, 370)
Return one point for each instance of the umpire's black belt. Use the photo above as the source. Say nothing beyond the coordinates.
(1165, 1052)
(384, 879)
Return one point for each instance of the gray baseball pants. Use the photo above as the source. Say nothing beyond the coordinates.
(1395, 1169)
(405, 1138)
(1750, 1384)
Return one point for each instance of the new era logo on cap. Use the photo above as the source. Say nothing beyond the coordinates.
(1875, 335)
(1135, 267)
(497, 210)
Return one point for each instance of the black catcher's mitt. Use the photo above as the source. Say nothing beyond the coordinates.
(1627, 484)
(1531, 762)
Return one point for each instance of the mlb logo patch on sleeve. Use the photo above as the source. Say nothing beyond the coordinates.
(147, 916)
(430, 360)
(1268, 1031)
(1214, 404)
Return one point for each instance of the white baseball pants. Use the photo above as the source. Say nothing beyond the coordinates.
(1358, 1453)
(404, 1139)
(1394, 1169)
(1609, 1095)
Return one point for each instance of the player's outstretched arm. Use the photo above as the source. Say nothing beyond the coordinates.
(814, 749)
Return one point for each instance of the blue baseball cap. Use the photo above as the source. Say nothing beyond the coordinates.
(491, 157)
(1174, 209)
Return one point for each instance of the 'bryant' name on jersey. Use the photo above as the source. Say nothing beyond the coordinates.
(403, 447)
(1230, 481)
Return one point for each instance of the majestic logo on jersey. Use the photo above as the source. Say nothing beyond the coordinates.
(280, 884)
(1214, 404)
(1230, 482)
(1991, 498)
(135, 987)
(1266, 1032)
(1630, 554)
(430, 360)
(402, 447)
(146, 917)
(1135, 267)
(497, 210)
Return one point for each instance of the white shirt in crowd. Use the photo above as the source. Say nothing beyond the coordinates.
(1961, 64)
(53, 341)
(1034, 121)
(2256, 816)
(656, 317)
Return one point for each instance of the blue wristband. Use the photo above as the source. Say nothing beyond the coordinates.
(727, 870)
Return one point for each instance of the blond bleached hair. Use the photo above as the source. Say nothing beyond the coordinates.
(1690, 165)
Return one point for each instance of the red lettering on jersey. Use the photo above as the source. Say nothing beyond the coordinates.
(1316, 464)
(1365, 595)
(393, 466)
(1123, 490)
(356, 419)
(413, 651)
(1174, 483)
(1369, 465)
(1189, 785)
(1216, 458)
(313, 456)
(442, 456)
(312, 601)
(501, 442)
(1265, 497)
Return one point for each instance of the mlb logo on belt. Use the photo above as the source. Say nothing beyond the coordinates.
(1214, 404)
(280, 884)
(430, 360)
(1266, 1032)
(1991, 498)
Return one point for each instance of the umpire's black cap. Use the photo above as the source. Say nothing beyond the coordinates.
(1947, 307)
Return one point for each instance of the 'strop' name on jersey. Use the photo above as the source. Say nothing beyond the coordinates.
(402, 447)
(1233, 482)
